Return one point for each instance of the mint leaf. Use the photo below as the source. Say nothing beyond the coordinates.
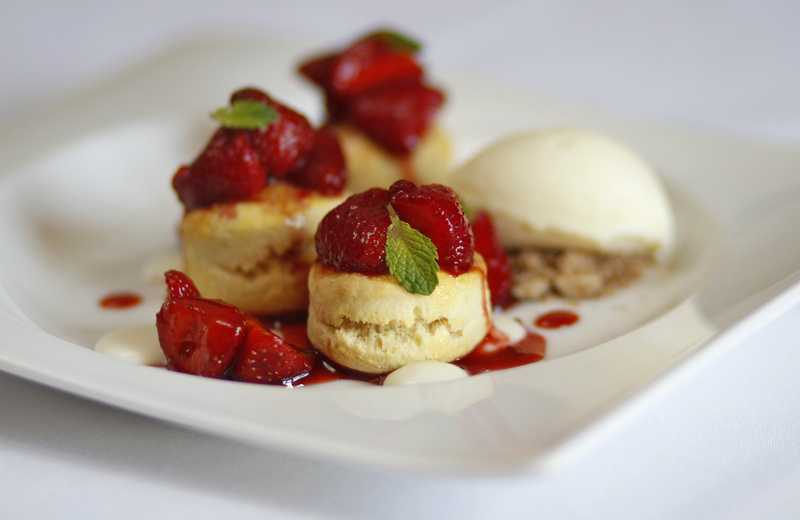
(245, 114)
(411, 257)
(399, 41)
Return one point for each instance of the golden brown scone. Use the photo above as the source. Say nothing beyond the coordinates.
(256, 254)
(369, 166)
(373, 325)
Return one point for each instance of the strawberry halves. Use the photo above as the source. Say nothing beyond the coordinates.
(211, 338)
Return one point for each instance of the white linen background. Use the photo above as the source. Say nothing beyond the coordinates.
(723, 444)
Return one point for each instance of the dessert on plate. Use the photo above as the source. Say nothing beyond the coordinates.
(253, 199)
(382, 109)
(397, 280)
(580, 214)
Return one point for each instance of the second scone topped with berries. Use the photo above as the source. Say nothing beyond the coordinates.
(383, 109)
(253, 199)
(397, 280)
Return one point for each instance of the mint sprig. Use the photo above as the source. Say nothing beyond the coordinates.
(399, 41)
(246, 115)
(411, 257)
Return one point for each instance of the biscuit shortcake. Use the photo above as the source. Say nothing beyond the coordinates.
(374, 325)
(383, 111)
(256, 254)
(397, 280)
(253, 199)
(370, 165)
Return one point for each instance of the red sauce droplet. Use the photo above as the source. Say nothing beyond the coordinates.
(556, 319)
(495, 352)
(120, 300)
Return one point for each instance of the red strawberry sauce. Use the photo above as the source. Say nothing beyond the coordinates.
(556, 319)
(120, 300)
(495, 352)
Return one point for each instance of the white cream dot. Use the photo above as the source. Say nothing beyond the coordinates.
(510, 327)
(429, 371)
(134, 344)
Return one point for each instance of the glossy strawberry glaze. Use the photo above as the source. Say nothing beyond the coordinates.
(120, 300)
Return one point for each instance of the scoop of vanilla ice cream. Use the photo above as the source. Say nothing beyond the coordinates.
(561, 188)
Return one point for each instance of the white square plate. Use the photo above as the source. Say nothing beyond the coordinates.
(85, 204)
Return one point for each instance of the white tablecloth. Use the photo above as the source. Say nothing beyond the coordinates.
(724, 444)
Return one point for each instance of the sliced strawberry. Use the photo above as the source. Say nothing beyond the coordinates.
(499, 269)
(352, 236)
(180, 286)
(227, 169)
(435, 211)
(266, 358)
(199, 336)
(396, 117)
(323, 169)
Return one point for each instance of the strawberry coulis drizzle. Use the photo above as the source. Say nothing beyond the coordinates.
(556, 319)
(120, 300)
(496, 352)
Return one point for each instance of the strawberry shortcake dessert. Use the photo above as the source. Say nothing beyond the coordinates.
(253, 199)
(383, 110)
(397, 280)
